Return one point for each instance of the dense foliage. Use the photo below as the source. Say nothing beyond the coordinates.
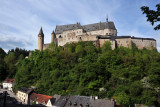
(10, 62)
(131, 76)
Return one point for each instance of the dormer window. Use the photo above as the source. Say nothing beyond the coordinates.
(75, 104)
(70, 103)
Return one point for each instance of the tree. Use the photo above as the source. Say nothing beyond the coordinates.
(152, 15)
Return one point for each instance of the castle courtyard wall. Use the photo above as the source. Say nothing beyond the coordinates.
(144, 43)
(125, 42)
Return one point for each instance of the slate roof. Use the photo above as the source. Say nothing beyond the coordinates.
(84, 101)
(41, 32)
(87, 28)
(61, 28)
(61, 101)
(25, 90)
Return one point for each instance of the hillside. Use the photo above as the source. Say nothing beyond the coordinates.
(130, 75)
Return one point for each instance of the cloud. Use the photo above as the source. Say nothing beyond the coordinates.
(20, 21)
(9, 42)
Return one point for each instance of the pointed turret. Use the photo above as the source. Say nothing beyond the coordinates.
(53, 36)
(40, 40)
(41, 32)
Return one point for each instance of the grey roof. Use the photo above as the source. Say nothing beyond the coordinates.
(99, 26)
(53, 32)
(89, 27)
(41, 32)
(61, 28)
(61, 101)
(25, 90)
(75, 101)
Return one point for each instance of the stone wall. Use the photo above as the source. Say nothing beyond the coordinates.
(40, 43)
(45, 46)
(125, 42)
(144, 43)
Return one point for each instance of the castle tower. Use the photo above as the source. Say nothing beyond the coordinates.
(53, 36)
(40, 40)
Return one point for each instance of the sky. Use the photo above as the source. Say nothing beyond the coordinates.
(21, 20)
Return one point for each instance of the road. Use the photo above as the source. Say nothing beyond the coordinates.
(10, 94)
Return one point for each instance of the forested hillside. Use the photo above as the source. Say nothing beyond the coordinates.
(131, 76)
(9, 62)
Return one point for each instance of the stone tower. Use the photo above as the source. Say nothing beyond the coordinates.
(40, 40)
(53, 37)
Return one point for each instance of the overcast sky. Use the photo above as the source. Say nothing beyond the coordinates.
(20, 20)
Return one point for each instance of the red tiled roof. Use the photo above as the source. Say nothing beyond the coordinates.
(43, 98)
(33, 96)
(40, 98)
(8, 80)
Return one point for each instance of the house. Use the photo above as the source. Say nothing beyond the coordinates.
(8, 84)
(42, 99)
(23, 94)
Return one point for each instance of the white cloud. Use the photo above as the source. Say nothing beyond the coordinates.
(20, 21)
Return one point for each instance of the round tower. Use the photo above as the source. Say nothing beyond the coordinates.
(40, 40)
(53, 37)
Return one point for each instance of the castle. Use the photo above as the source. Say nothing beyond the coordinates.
(98, 33)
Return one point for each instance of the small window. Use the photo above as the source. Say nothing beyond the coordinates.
(60, 36)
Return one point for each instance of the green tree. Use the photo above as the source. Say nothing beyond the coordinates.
(153, 16)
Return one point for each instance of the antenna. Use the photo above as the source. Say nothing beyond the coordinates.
(106, 18)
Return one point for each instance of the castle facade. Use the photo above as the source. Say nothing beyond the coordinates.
(98, 33)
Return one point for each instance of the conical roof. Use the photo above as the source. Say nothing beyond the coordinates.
(41, 32)
(53, 32)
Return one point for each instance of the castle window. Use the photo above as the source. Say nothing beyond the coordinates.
(126, 41)
(60, 36)
(80, 38)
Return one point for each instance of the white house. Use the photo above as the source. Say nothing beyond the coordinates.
(23, 94)
(8, 84)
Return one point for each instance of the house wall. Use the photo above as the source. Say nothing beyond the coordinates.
(5, 85)
(8, 86)
(22, 96)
